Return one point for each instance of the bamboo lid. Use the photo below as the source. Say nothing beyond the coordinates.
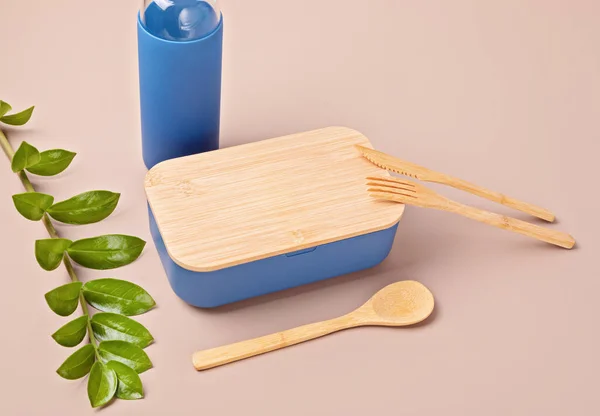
(245, 203)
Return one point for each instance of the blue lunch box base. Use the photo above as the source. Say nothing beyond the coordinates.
(232, 284)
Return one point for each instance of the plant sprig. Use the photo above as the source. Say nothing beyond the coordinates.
(114, 356)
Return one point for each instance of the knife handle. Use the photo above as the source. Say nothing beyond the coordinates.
(496, 197)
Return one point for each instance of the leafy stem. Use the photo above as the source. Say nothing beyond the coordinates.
(114, 355)
(9, 151)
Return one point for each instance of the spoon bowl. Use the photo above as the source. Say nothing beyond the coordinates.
(399, 304)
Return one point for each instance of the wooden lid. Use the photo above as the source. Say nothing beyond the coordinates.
(244, 203)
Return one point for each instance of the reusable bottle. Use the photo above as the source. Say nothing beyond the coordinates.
(180, 54)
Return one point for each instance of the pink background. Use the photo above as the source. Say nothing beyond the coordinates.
(504, 93)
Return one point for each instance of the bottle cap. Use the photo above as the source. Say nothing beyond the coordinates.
(180, 20)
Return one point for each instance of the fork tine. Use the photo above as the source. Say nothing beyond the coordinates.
(387, 178)
(390, 185)
(392, 180)
(386, 196)
(390, 191)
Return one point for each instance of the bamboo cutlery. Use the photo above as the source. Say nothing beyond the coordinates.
(402, 303)
(411, 193)
(399, 304)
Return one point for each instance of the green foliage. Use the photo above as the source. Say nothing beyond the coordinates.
(52, 162)
(32, 205)
(50, 252)
(114, 356)
(119, 296)
(126, 353)
(18, 119)
(25, 156)
(78, 364)
(130, 383)
(4, 108)
(71, 334)
(85, 208)
(107, 251)
(112, 326)
(102, 384)
(64, 299)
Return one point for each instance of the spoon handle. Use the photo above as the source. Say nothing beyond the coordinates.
(203, 360)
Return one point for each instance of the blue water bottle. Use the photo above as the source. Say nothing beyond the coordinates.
(180, 54)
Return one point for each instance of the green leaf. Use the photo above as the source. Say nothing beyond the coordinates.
(78, 364)
(102, 385)
(64, 299)
(18, 119)
(52, 162)
(32, 205)
(112, 326)
(85, 208)
(107, 251)
(130, 384)
(72, 334)
(126, 353)
(119, 296)
(50, 252)
(4, 108)
(25, 156)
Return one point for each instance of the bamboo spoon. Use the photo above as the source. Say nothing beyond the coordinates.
(399, 304)
(411, 193)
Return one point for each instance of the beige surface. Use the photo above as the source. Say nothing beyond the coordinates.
(505, 94)
(258, 200)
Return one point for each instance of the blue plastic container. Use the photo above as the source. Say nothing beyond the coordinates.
(266, 216)
(219, 287)
(180, 79)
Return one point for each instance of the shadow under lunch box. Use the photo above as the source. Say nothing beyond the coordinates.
(266, 216)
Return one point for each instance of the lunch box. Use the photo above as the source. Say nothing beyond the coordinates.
(261, 217)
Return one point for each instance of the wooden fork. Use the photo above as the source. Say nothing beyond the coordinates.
(421, 173)
(411, 193)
